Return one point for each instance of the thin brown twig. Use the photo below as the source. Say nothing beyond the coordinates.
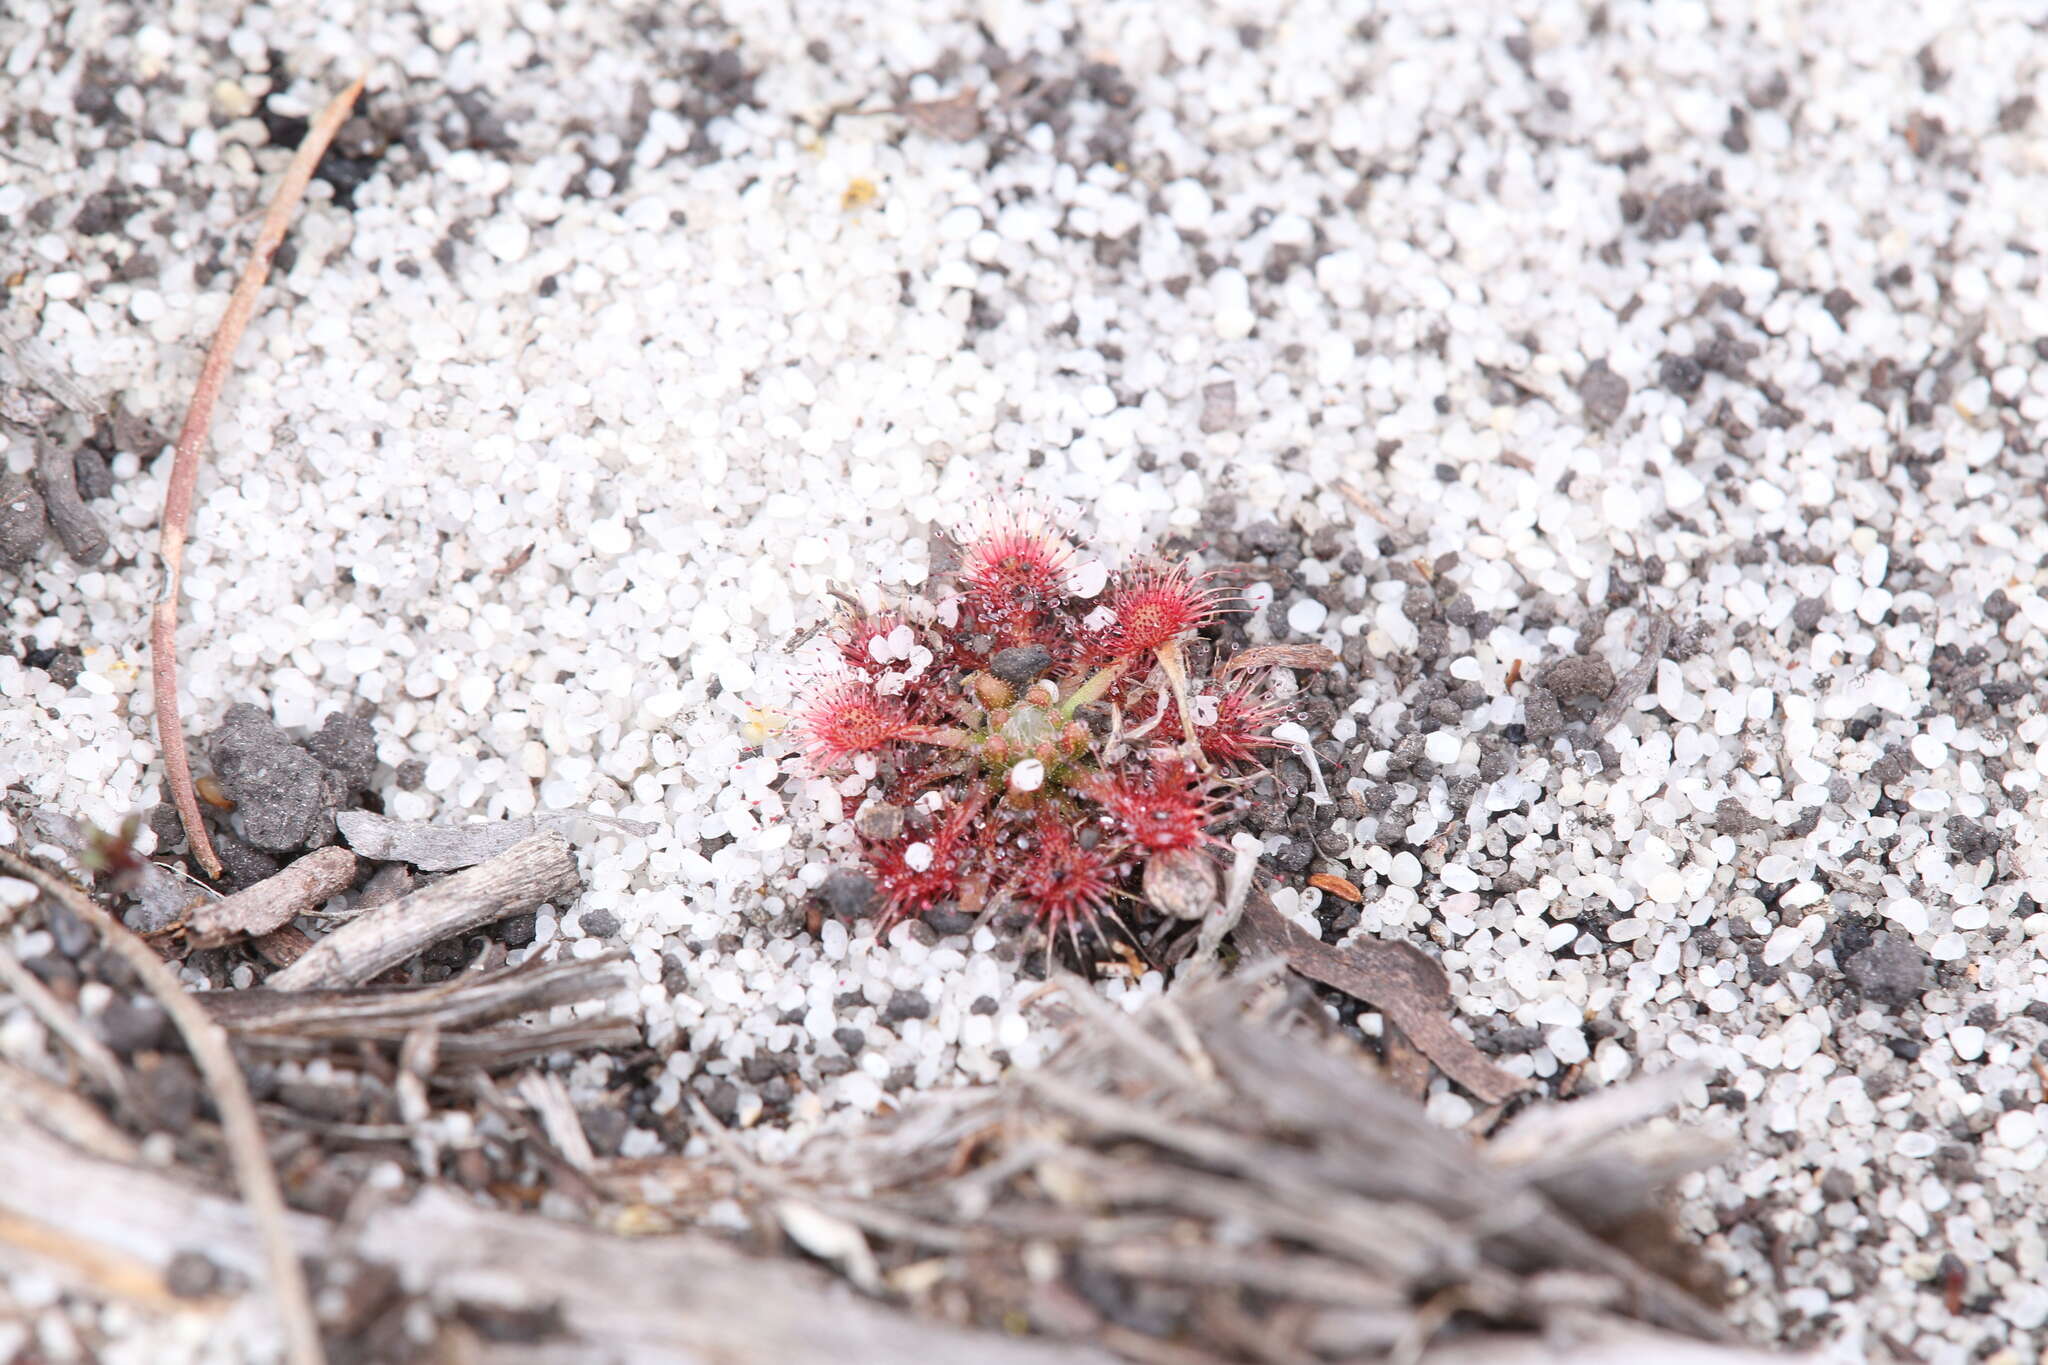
(208, 1043)
(163, 623)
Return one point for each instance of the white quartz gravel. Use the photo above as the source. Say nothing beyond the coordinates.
(549, 446)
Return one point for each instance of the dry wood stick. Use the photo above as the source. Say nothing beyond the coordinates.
(463, 1002)
(275, 900)
(85, 540)
(208, 1043)
(163, 626)
(531, 873)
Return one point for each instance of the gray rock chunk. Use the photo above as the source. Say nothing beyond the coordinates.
(1733, 818)
(346, 745)
(1542, 717)
(1580, 675)
(1604, 393)
(1892, 970)
(1020, 665)
(23, 520)
(280, 791)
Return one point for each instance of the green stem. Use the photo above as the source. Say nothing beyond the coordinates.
(1092, 689)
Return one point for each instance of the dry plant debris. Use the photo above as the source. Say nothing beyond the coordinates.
(1213, 1180)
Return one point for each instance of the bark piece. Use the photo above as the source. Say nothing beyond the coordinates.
(688, 1299)
(1314, 657)
(532, 873)
(22, 521)
(1397, 979)
(274, 903)
(85, 540)
(442, 848)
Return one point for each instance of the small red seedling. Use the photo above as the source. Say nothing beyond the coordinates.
(1034, 748)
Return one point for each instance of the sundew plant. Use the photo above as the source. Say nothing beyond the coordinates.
(1036, 741)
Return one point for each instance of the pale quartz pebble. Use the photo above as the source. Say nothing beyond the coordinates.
(1567, 1043)
(1666, 887)
(1784, 941)
(506, 237)
(1801, 1039)
(2018, 1127)
(609, 537)
(1968, 1041)
(1306, 616)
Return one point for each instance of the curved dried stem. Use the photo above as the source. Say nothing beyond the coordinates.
(163, 617)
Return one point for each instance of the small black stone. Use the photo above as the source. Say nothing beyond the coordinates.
(131, 1026)
(723, 1100)
(1020, 665)
(599, 923)
(1680, 374)
(605, 1126)
(985, 1004)
(1264, 539)
(63, 665)
(164, 823)
(242, 865)
(517, 931)
(191, 1275)
(347, 745)
(852, 1039)
(167, 1091)
(1807, 612)
(1603, 392)
(906, 1005)
(948, 920)
(846, 893)
(1295, 855)
(1731, 818)
(89, 469)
